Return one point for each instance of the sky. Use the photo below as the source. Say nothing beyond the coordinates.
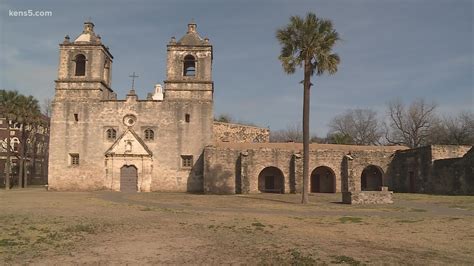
(389, 49)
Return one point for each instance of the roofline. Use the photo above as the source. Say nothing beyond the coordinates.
(106, 49)
(299, 146)
(188, 45)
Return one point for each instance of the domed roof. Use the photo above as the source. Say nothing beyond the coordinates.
(192, 37)
(88, 35)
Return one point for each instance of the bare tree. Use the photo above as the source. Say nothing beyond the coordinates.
(454, 130)
(358, 126)
(317, 139)
(47, 107)
(292, 133)
(410, 125)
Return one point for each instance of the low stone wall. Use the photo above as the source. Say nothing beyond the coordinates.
(228, 132)
(367, 197)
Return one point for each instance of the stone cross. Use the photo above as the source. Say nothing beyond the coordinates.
(133, 76)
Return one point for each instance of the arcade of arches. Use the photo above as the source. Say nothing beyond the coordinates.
(322, 180)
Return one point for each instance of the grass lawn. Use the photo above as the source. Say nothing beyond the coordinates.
(37, 226)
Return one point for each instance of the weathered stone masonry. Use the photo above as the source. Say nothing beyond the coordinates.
(230, 132)
(237, 167)
(440, 169)
(94, 136)
(169, 142)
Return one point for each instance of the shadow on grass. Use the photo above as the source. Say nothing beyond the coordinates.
(271, 200)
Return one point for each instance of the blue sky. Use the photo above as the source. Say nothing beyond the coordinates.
(403, 49)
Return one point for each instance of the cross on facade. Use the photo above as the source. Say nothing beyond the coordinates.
(133, 76)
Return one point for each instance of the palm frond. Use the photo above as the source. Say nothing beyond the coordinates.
(309, 38)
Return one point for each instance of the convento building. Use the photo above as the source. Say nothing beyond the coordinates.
(170, 141)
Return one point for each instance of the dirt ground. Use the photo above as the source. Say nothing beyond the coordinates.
(37, 226)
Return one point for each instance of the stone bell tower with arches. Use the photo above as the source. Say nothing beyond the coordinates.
(82, 85)
(189, 67)
(85, 67)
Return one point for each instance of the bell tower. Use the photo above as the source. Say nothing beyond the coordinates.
(189, 67)
(85, 67)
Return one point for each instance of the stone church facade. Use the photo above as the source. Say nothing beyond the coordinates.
(101, 142)
(170, 141)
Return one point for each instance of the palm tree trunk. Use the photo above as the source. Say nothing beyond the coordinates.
(21, 162)
(8, 166)
(306, 97)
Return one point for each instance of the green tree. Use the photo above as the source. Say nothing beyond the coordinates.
(340, 138)
(225, 118)
(29, 116)
(24, 111)
(308, 42)
(9, 108)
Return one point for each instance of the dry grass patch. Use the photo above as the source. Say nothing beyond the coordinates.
(174, 228)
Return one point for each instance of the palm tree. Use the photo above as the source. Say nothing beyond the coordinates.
(9, 107)
(28, 116)
(25, 111)
(308, 43)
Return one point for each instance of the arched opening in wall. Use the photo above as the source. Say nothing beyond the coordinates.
(106, 71)
(128, 178)
(111, 134)
(149, 134)
(80, 65)
(271, 180)
(189, 69)
(323, 180)
(371, 178)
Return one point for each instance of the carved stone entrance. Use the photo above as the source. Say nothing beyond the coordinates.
(128, 179)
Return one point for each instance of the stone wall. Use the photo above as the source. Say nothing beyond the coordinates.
(358, 160)
(429, 169)
(411, 170)
(454, 176)
(448, 151)
(237, 166)
(229, 132)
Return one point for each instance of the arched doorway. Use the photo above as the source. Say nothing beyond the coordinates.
(128, 178)
(371, 178)
(323, 180)
(271, 180)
